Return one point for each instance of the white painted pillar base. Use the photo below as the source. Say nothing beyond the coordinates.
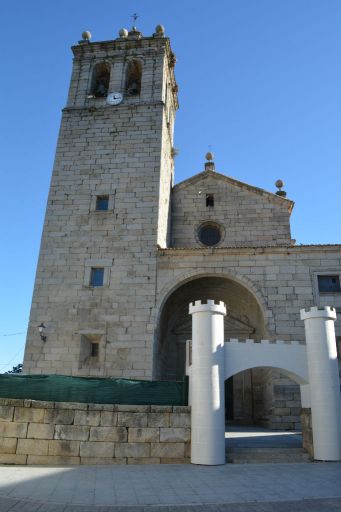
(324, 382)
(207, 383)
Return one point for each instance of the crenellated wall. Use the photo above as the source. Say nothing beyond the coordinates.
(36, 432)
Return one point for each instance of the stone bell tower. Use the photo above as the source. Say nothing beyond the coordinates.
(108, 210)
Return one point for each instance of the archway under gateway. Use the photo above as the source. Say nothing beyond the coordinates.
(258, 390)
(263, 396)
(245, 319)
(263, 406)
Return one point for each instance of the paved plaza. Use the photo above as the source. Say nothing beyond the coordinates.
(165, 488)
(233, 487)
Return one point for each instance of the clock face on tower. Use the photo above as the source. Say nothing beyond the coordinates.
(114, 98)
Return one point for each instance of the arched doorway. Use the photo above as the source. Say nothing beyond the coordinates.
(263, 396)
(245, 319)
(262, 412)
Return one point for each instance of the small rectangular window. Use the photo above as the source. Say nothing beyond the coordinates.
(329, 284)
(94, 348)
(102, 203)
(97, 276)
(209, 200)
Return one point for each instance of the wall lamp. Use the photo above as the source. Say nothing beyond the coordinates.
(42, 328)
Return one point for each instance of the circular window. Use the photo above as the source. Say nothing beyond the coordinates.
(209, 234)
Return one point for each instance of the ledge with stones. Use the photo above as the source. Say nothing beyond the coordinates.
(63, 433)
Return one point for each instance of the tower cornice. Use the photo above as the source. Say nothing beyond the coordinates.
(120, 44)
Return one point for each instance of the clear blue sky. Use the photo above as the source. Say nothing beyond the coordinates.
(259, 80)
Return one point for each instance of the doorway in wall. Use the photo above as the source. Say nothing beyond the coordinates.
(262, 411)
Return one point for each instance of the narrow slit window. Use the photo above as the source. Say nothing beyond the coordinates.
(329, 284)
(94, 349)
(102, 203)
(209, 200)
(97, 276)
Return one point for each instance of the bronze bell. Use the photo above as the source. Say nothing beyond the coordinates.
(133, 89)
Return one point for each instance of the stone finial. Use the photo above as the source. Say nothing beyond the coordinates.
(86, 36)
(279, 184)
(209, 164)
(134, 33)
(159, 31)
(123, 33)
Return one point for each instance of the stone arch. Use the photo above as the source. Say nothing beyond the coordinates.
(246, 316)
(183, 278)
(256, 377)
(133, 77)
(293, 374)
(100, 79)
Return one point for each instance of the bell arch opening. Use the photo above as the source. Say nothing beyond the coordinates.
(100, 80)
(133, 78)
(244, 319)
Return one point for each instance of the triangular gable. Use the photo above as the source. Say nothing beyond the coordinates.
(231, 181)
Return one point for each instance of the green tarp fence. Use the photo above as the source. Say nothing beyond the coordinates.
(60, 388)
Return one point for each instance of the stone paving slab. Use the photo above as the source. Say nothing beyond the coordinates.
(233, 487)
(316, 505)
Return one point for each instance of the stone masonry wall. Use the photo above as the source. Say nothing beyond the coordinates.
(246, 215)
(282, 279)
(36, 432)
(123, 152)
(286, 406)
(121, 240)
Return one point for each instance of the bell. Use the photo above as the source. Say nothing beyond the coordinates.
(101, 90)
(133, 89)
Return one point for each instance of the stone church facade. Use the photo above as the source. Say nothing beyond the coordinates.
(124, 250)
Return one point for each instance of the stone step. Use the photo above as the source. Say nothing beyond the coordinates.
(266, 455)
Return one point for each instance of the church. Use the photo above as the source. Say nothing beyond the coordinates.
(125, 250)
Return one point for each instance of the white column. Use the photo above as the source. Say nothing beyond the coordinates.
(324, 382)
(207, 383)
